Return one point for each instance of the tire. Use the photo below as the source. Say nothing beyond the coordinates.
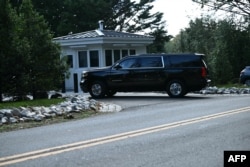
(97, 89)
(176, 88)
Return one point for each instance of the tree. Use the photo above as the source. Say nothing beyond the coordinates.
(234, 7)
(66, 16)
(225, 45)
(241, 7)
(134, 17)
(44, 68)
(83, 15)
(160, 39)
(235, 42)
(198, 37)
(12, 76)
(220, 62)
(30, 61)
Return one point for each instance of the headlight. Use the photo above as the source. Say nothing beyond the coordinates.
(84, 74)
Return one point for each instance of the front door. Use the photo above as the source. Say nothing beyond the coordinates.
(138, 74)
(123, 75)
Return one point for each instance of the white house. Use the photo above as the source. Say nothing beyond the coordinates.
(98, 48)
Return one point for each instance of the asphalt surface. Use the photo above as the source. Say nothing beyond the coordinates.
(151, 130)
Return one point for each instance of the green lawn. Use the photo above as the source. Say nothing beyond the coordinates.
(28, 103)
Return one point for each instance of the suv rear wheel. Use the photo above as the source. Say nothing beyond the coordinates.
(176, 88)
(97, 89)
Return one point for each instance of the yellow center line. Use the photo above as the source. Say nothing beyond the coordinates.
(93, 142)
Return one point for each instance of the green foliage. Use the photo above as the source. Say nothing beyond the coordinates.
(30, 103)
(160, 39)
(224, 42)
(133, 17)
(235, 7)
(65, 16)
(44, 67)
(11, 49)
(30, 61)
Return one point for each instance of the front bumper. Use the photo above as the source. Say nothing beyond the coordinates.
(84, 86)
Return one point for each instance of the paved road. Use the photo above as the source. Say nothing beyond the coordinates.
(152, 130)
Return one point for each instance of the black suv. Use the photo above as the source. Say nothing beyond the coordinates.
(177, 74)
(245, 76)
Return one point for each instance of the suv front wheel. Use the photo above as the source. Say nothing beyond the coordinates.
(176, 88)
(97, 89)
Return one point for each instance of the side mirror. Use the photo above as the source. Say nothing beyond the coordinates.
(117, 66)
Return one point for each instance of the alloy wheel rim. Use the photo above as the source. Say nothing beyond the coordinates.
(175, 89)
(96, 89)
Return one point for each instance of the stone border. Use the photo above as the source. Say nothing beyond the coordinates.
(72, 104)
(81, 103)
(232, 90)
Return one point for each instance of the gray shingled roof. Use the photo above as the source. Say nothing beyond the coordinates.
(101, 33)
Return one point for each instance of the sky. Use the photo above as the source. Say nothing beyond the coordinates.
(177, 13)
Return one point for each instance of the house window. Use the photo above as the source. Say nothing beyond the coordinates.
(94, 58)
(69, 60)
(83, 59)
(124, 53)
(117, 55)
(108, 57)
(111, 56)
(88, 59)
(132, 52)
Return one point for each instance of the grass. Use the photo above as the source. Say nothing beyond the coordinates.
(40, 102)
(30, 103)
(230, 85)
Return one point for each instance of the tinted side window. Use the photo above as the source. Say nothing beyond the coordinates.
(185, 61)
(129, 63)
(166, 61)
(146, 62)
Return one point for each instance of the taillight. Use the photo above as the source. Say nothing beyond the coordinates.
(203, 72)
